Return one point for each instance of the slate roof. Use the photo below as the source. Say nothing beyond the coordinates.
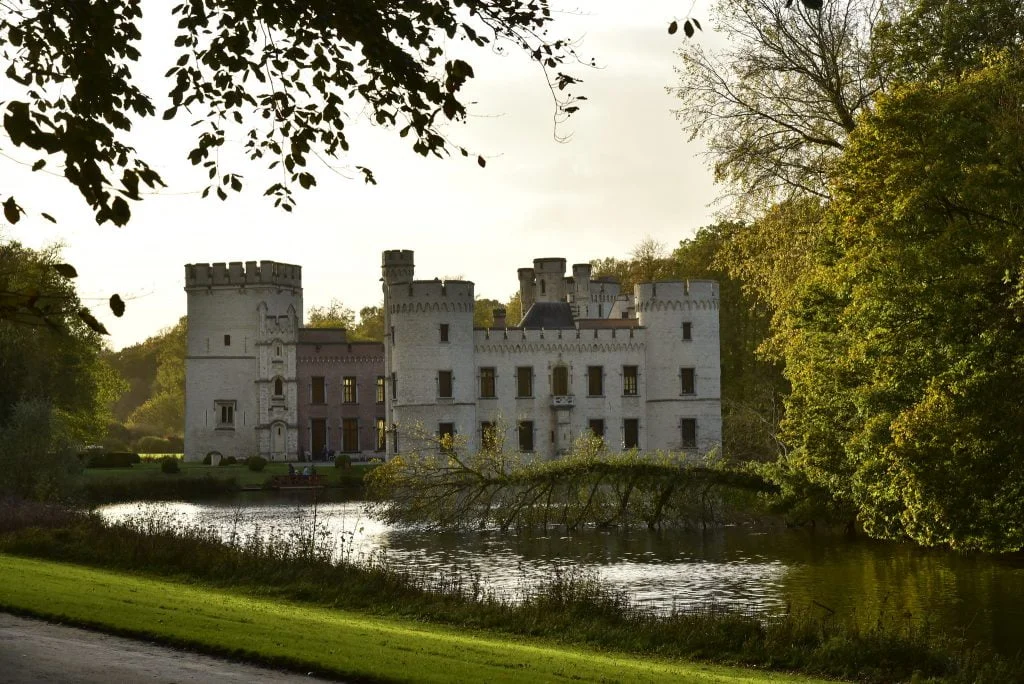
(548, 315)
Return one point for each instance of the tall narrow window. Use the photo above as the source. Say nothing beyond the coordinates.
(350, 435)
(227, 340)
(595, 380)
(687, 330)
(526, 435)
(382, 434)
(394, 385)
(444, 332)
(630, 433)
(597, 427)
(560, 381)
(380, 389)
(524, 381)
(487, 383)
(278, 387)
(689, 427)
(317, 391)
(446, 436)
(489, 438)
(629, 383)
(444, 384)
(687, 380)
(348, 390)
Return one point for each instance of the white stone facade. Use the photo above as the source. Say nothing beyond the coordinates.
(242, 331)
(642, 369)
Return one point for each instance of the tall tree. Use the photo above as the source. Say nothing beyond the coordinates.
(334, 315)
(164, 412)
(776, 105)
(371, 325)
(903, 343)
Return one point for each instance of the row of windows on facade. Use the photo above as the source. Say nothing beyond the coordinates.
(443, 332)
(225, 411)
(491, 437)
(349, 389)
(560, 381)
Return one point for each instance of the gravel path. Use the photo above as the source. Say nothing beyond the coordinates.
(36, 651)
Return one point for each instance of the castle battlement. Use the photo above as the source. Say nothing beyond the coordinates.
(237, 273)
(676, 294)
(432, 291)
(514, 336)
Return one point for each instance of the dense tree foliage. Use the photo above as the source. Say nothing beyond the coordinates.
(57, 388)
(370, 327)
(163, 413)
(903, 343)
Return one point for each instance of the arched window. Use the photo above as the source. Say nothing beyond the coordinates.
(278, 387)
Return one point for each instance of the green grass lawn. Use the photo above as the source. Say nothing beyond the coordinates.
(334, 642)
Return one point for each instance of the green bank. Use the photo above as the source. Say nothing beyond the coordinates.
(329, 642)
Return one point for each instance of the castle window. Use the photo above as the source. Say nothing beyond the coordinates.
(444, 384)
(525, 435)
(560, 381)
(394, 385)
(380, 389)
(227, 340)
(687, 330)
(689, 429)
(277, 351)
(542, 287)
(524, 381)
(444, 332)
(278, 387)
(629, 381)
(225, 411)
(489, 440)
(348, 390)
(631, 433)
(487, 383)
(597, 427)
(382, 434)
(317, 391)
(392, 334)
(595, 381)
(687, 377)
(446, 437)
(350, 435)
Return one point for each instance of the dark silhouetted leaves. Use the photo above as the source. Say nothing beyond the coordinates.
(812, 4)
(91, 321)
(66, 270)
(481, 161)
(117, 305)
(688, 28)
(673, 27)
(12, 212)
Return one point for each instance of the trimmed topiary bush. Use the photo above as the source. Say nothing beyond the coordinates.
(110, 459)
(257, 463)
(169, 465)
(228, 460)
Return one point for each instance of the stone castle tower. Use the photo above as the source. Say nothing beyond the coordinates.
(241, 394)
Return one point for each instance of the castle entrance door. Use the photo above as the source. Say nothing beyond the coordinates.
(318, 436)
(277, 440)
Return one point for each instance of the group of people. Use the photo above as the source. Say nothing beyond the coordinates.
(307, 472)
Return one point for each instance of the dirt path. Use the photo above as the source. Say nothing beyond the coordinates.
(36, 651)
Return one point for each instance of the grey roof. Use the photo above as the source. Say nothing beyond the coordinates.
(548, 315)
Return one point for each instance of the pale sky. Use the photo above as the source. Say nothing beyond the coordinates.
(627, 173)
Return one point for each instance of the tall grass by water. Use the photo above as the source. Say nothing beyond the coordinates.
(571, 606)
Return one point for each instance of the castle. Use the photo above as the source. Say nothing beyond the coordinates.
(640, 370)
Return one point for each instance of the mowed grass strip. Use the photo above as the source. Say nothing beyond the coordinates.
(343, 644)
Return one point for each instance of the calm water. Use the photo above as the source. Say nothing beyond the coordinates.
(760, 570)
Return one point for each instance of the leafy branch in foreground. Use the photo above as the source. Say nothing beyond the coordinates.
(586, 487)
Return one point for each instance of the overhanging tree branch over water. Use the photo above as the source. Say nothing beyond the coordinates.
(586, 487)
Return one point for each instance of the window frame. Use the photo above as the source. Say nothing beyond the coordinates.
(524, 372)
(225, 413)
(444, 332)
(688, 441)
(488, 382)
(349, 390)
(444, 376)
(313, 383)
(687, 331)
(525, 427)
(349, 429)
(635, 377)
(595, 373)
(626, 423)
(380, 391)
(443, 429)
(556, 380)
(687, 381)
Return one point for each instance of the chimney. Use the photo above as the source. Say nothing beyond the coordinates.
(499, 319)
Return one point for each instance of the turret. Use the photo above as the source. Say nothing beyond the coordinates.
(527, 281)
(550, 276)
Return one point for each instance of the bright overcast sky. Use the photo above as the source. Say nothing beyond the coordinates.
(627, 173)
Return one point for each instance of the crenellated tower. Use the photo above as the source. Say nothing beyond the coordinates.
(240, 389)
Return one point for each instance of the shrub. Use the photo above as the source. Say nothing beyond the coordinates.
(169, 465)
(257, 463)
(343, 461)
(228, 460)
(208, 459)
(153, 445)
(110, 459)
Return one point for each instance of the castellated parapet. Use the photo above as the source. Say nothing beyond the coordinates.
(237, 274)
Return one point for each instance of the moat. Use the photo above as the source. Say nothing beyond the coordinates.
(767, 570)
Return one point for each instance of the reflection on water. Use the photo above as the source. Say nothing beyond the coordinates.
(978, 596)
